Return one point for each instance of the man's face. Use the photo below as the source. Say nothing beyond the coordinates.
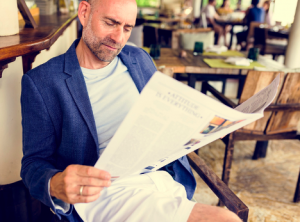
(109, 27)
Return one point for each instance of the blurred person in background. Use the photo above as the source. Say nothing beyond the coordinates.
(268, 16)
(211, 17)
(225, 8)
(253, 14)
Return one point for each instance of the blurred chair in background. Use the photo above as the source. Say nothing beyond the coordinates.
(248, 42)
(274, 45)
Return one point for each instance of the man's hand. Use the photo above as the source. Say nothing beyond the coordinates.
(66, 185)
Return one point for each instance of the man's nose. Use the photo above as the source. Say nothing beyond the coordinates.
(117, 35)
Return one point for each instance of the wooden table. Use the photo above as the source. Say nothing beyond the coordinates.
(29, 42)
(197, 70)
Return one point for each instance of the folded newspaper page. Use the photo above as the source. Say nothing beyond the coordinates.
(170, 120)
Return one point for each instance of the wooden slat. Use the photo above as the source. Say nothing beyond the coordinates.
(217, 94)
(256, 81)
(297, 192)
(245, 135)
(286, 121)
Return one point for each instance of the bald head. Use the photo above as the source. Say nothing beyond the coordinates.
(107, 25)
(93, 3)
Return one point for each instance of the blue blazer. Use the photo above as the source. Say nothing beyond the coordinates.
(58, 123)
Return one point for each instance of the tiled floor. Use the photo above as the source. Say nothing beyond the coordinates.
(266, 185)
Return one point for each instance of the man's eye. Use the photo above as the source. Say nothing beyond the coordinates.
(110, 24)
(127, 30)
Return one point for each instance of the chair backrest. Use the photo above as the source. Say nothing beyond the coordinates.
(260, 35)
(256, 81)
(186, 38)
(286, 121)
(252, 26)
(288, 93)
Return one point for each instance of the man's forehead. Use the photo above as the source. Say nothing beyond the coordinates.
(122, 11)
(114, 3)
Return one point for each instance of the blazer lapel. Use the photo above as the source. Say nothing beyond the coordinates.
(134, 68)
(78, 90)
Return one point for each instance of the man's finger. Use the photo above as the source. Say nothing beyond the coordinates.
(88, 171)
(89, 190)
(86, 199)
(90, 181)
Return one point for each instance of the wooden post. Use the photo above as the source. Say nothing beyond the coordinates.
(27, 60)
(297, 192)
(228, 158)
(292, 55)
(260, 150)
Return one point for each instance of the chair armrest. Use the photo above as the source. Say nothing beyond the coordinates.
(283, 107)
(231, 201)
(206, 87)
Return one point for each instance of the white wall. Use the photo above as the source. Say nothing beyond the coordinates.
(10, 109)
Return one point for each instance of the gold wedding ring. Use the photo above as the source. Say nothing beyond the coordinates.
(80, 191)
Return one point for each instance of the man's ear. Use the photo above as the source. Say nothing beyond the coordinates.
(84, 11)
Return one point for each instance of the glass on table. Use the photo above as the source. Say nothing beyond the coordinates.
(253, 54)
(155, 51)
(198, 48)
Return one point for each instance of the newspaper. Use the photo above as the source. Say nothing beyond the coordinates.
(170, 120)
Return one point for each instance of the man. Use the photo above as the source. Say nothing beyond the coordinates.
(253, 14)
(211, 15)
(73, 104)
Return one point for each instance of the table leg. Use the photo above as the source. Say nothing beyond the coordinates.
(191, 80)
(231, 37)
(240, 88)
(223, 86)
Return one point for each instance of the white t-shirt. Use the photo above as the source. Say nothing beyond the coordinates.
(112, 93)
(209, 11)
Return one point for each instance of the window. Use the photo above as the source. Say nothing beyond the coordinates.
(284, 11)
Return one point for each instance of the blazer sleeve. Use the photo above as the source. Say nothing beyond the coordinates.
(39, 144)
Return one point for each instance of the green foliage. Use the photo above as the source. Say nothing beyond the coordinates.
(148, 3)
(233, 3)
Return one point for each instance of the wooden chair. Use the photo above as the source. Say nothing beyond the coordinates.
(279, 121)
(247, 37)
(250, 37)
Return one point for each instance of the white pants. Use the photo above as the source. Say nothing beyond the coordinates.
(154, 197)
